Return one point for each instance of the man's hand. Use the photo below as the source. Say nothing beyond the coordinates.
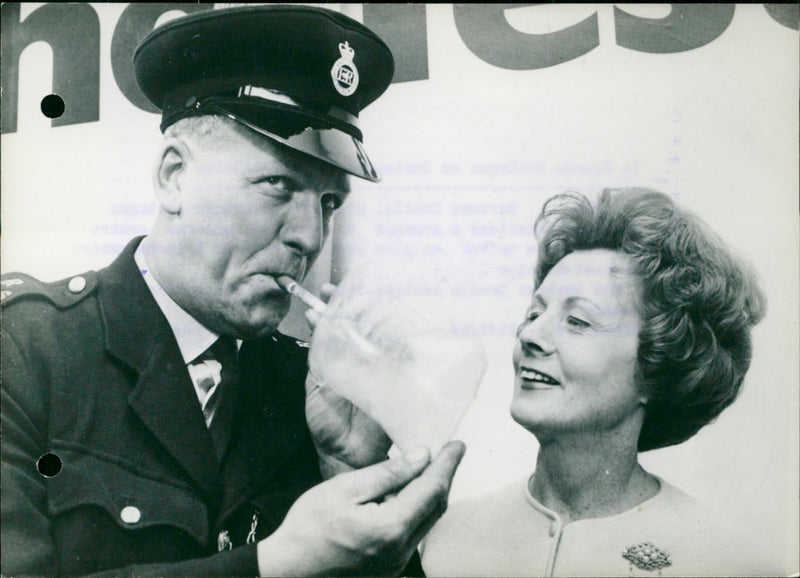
(366, 522)
(345, 437)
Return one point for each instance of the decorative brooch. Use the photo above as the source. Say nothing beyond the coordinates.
(646, 556)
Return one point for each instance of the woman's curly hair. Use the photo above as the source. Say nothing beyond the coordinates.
(699, 301)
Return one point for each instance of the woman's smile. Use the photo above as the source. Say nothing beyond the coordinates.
(534, 379)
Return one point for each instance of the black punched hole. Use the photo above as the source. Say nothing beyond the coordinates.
(52, 106)
(49, 465)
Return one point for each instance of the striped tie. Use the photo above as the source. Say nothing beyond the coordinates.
(216, 371)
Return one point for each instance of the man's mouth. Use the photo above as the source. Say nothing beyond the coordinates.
(296, 274)
(530, 375)
(265, 284)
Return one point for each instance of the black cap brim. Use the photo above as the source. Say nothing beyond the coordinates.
(313, 135)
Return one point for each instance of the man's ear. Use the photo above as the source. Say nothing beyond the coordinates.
(170, 165)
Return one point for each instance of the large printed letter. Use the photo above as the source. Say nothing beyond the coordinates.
(136, 21)
(786, 14)
(404, 29)
(73, 33)
(688, 26)
(487, 33)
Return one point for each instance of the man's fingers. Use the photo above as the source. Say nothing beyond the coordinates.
(313, 385)
(316, 387)
(327, 290)
(428, 493)
(375, 482)
(427, 523)
(312, 317)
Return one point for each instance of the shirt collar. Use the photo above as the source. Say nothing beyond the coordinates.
(192, 337)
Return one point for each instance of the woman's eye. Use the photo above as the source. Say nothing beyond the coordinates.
(533, 313)
(577, 321)
(530, 317)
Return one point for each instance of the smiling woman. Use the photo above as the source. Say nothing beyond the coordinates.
(576, 351)
(637, 335)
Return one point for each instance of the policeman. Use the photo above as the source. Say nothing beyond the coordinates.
(160, 385)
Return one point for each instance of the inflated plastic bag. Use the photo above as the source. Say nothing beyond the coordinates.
(398, 362)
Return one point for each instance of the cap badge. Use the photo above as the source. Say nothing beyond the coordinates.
(344, 73)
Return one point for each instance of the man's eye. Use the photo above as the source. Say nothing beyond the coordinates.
(330, 202)
(283, 184)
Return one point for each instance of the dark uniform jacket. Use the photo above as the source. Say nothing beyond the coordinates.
(92, 373)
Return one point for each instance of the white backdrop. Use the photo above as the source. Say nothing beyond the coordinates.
(468, 156)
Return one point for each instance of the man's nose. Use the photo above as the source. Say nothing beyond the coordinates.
(304, 225)
(535, 336)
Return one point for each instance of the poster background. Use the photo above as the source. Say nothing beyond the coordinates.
(468, 156)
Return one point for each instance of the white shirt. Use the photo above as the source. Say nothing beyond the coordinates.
(509, 533)
(193, 338)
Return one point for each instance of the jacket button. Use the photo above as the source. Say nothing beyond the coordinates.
(130, 514)
(77, 284)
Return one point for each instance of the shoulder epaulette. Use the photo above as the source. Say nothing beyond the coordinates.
(62, 294)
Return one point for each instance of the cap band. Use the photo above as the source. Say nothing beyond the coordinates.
(275, 96)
